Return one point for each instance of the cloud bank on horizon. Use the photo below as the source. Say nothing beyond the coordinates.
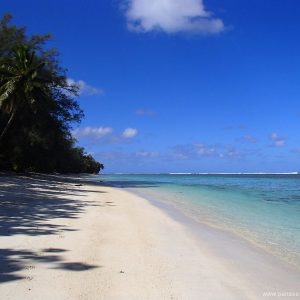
(171, 16)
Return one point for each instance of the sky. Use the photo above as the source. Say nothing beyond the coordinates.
(179, 85)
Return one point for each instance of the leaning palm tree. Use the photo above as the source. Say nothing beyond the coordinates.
(22, 83)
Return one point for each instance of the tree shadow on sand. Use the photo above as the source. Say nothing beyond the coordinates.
(29, 206)
(14, 261)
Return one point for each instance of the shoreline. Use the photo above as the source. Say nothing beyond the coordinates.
(238, 252)
(195, 225)
(87, 240)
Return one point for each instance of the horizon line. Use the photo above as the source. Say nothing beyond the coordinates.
(206, 173)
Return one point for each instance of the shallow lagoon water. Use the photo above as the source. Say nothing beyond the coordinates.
(264, 209)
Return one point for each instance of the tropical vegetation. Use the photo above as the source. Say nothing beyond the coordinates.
(38, 107)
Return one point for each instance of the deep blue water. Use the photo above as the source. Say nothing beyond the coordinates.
(264, 209)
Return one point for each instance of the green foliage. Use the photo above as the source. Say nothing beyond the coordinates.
(37, 108)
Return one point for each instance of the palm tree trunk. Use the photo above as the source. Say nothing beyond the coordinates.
(8, 124)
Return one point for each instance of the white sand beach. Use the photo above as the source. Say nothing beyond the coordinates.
(61, 239)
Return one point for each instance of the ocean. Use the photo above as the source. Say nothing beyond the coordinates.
(264, 209)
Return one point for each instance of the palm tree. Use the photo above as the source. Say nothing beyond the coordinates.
(22, 82)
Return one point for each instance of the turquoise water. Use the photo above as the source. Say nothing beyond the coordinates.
(264, 209)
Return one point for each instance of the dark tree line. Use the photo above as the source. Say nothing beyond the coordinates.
(37, 107)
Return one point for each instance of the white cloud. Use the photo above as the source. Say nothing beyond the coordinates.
(205, 150)
(277, 140)
(129, 133)
(106, 133)
(197, 151)
(148, 154)
(128, 156)
(94, 132)
(232, 153)
(145, 112)
(84, 88)
(171, 16)
(193, 151)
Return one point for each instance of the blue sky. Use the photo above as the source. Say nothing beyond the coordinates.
(180, 85)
